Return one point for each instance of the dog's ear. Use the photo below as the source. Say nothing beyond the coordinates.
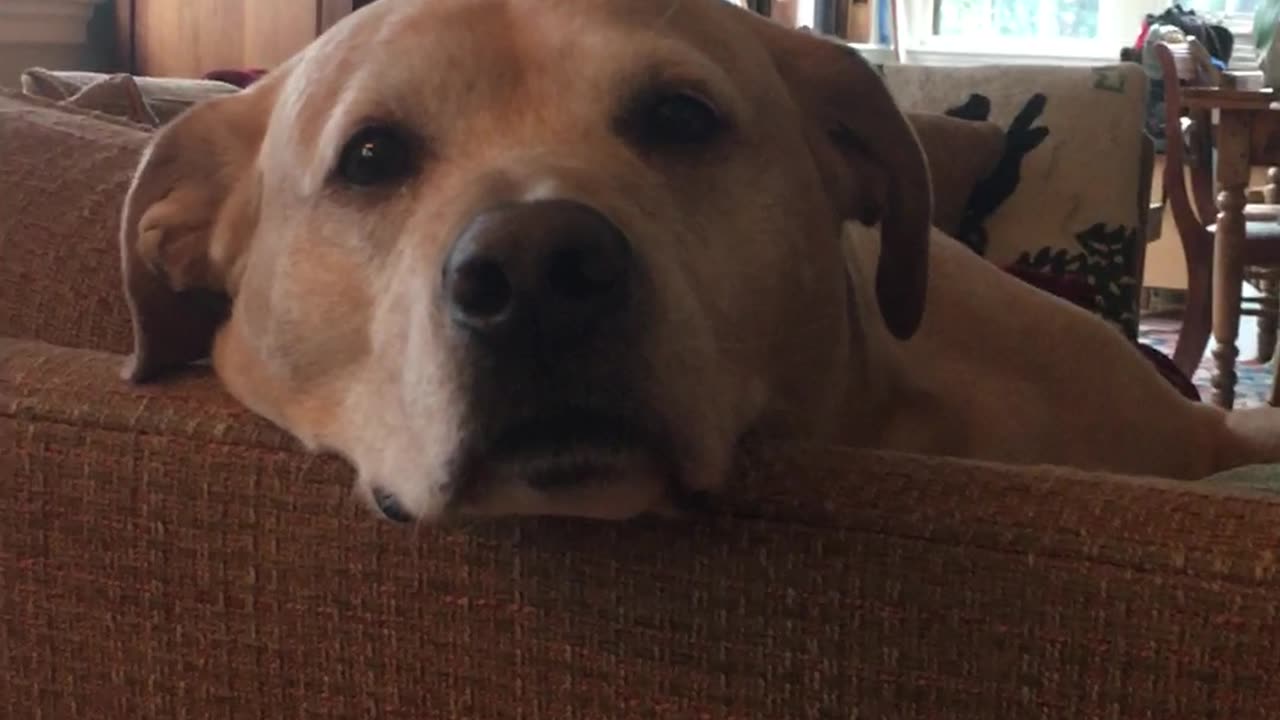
(188, 214)
(870, 157)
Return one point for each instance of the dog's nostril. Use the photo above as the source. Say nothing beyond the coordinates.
(391, 507)
(550, 269)
(481, 289)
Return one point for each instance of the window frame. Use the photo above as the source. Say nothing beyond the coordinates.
(1123, 18)
(1119, 18)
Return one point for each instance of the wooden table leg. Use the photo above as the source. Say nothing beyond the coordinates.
(1228, 270)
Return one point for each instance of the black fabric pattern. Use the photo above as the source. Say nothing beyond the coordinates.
(990, 193)
(1106, 261)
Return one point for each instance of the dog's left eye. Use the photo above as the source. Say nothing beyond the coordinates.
(376, 155)
(673, 119)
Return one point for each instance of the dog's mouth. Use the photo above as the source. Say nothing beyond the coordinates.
(567, 452)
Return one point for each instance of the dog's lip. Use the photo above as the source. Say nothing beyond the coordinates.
(567, 448)
(569, 430)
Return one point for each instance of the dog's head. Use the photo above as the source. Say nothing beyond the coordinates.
(531, 256)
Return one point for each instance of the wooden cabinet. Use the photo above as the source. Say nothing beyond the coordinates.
(188, 38)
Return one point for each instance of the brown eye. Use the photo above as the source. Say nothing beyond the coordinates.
(673, 119)
(376, 155)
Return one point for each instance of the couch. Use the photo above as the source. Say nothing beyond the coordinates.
(166, 554)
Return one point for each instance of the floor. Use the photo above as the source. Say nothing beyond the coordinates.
(1253, 387)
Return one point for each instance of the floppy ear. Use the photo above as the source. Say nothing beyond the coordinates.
(871, 159)
(188, 214)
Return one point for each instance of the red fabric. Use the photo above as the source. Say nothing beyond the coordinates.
(1067, 287)
(1142, 35)
(242, 78)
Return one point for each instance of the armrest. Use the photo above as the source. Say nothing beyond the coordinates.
(50, 385)
(164, 552)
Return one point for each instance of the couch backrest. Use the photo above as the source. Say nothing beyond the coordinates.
(163, 554)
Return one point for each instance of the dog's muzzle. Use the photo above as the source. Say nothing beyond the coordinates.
(546, 314)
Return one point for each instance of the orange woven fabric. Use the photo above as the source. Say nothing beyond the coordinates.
(165, 554)
(63, 177)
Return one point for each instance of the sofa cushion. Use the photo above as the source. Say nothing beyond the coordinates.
(66, 172)
(960, 153)
(1065, 198)
(165, 97)
(116, 95)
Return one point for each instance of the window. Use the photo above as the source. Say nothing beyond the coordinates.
(1223, 7)
(1086, 21)
(859, 21)
(1045, 28)
(1086, 28)
(959, 31)
(1074, 19)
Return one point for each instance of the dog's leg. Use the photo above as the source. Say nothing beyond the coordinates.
(1003, 371)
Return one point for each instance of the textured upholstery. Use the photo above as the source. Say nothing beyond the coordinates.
(165, 98)
(165, 554)
(63, 175)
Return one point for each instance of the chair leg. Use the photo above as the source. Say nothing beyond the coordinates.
(1197, 321)
(1268, 319)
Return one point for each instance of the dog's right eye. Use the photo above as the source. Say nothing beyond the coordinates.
(665, 118)
(376, 155)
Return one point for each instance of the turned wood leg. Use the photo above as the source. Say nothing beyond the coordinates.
(1228, 276)
(1232, 173)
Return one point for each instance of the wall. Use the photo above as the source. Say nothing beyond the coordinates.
(192, 37)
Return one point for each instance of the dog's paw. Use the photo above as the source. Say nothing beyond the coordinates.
(1259, 430)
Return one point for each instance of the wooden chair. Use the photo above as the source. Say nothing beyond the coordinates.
(1189, 158)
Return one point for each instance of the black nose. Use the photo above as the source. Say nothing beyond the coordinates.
(557, 267)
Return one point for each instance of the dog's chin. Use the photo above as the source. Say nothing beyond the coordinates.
(614, 487)
(573, 463)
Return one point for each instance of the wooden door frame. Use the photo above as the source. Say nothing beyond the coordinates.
(126, 58)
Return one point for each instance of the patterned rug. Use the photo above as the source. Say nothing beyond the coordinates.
(1254, 384)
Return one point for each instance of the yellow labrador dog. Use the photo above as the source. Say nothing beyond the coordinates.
(562, 256)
